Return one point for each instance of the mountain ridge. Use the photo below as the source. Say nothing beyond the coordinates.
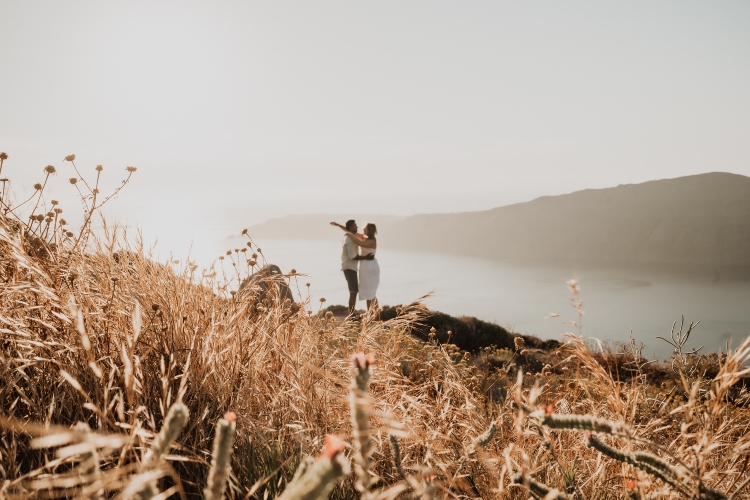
(701, 219)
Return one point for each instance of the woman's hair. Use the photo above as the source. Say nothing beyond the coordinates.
(374, 228)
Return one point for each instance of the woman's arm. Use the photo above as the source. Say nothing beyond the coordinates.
(361, 241)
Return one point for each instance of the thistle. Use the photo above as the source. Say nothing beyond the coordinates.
(174, 422)
(220, 463)
(538, 489)
(315, 479)
(360, 406)
(487, 435)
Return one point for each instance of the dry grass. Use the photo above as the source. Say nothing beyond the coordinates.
(107, 337)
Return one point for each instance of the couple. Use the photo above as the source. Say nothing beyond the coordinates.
(369, 271)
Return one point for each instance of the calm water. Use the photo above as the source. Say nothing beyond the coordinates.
(615, 301)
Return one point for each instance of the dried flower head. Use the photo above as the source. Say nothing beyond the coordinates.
(38, 186)
(131, 169)
(229, 252)
(293, 271)
(54, 202)
(322, 299)
(307, 285)
(362, 360)
(99, 168)
(63, 222)
(73, 180)
(58, 210)
(50, 169)
(334, 446)
(69, 234)
(70, 157)
(518, 342)
(244, 231)
(3, 156)
(251, 263)
(95, 191)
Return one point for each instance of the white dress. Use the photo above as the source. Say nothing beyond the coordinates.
(369, 276)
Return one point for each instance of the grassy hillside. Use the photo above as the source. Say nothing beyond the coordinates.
(127, 378)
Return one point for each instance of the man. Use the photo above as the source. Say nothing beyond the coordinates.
(349, 258)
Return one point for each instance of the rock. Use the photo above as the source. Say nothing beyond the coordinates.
(268, 282)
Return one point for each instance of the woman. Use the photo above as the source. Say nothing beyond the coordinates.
(369, 270)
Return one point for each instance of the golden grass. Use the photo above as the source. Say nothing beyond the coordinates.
(107, 337)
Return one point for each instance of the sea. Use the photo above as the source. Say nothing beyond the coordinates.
(617, 302)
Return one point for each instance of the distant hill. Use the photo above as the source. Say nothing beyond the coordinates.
(316, 226)
(700, 219)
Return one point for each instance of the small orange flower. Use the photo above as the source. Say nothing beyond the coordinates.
(362, 360)
(334, 446)
(230, 416)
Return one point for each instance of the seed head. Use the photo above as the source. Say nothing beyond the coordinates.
(3, 156)
(54, 202)
(244, 231)
(518, 342)
(70, 157)
(73, 180)
(69, 234)
(50, 169)
(229, 252)
(95, 191)
(131, 169)
(322, 299)
(58, 210)
(251, 263)
(293, 271)
(99, 168)
(38, 186)
(63, 222)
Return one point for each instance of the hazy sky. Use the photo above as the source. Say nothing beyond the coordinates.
(235, 112)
